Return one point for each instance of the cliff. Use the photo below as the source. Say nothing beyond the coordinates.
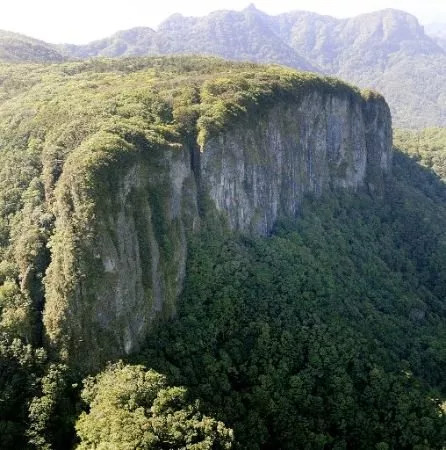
(152, 149)
(262, 167)
(131, 268)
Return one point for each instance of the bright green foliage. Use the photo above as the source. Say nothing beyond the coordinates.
(15, 312)
(131, 408)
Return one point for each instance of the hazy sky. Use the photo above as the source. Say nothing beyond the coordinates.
(80, 21)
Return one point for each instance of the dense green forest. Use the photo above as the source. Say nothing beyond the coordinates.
(328, 334)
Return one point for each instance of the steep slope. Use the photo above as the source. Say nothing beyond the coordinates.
(148, 151)
(326, 329)
(18, 48)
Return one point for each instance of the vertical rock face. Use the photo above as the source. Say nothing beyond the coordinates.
(262, 167)
(126, 265)
(131, 263)
(142, 249)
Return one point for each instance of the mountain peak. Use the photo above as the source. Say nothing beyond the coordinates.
(251, 7)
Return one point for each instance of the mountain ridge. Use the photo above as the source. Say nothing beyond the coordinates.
(150, 154)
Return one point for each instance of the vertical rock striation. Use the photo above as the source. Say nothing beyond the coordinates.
(263, 166)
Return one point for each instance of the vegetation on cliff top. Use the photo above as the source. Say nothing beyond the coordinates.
(386, 50)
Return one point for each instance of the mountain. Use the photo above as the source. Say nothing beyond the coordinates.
(387, 50)
(18, 48)
(247, 232)
(369, 40)
(161, 135)
(133, 42)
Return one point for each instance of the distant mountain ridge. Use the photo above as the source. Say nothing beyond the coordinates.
(386, 50)
(244, 35)
(135, 42)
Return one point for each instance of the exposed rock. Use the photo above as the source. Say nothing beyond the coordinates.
(262, 168)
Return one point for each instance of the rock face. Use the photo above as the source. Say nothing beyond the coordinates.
(262, 168)
(131, 267)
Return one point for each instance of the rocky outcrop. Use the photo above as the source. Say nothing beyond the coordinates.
(263, 166)
(133, 242)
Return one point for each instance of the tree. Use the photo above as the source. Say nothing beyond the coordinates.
(131, 407)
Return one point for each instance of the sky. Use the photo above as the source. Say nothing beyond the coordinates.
(81, 21)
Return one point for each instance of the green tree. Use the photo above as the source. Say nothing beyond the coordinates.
(131, 407)
(15, 312)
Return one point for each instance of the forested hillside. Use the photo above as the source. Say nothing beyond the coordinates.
(329, 333)
(427, 146)
(326, 332)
